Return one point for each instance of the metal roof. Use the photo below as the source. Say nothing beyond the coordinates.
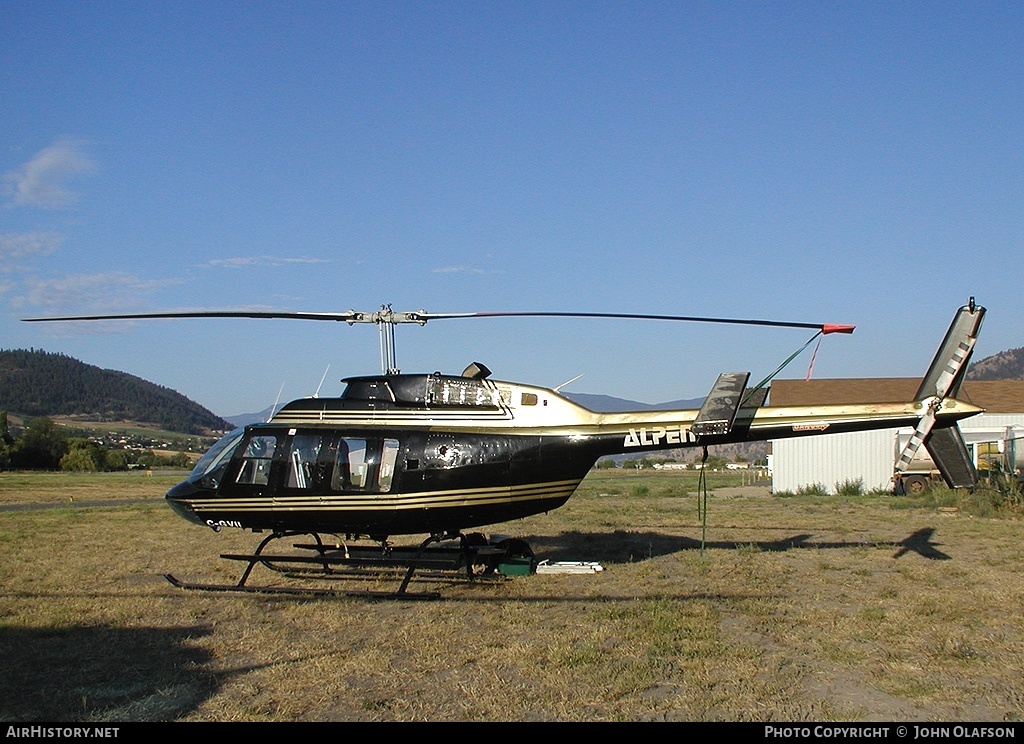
(995, 396)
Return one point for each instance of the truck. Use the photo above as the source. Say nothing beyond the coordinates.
(996, 455)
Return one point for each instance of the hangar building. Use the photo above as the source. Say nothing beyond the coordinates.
(869, 457)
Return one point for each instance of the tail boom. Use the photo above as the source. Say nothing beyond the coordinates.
(783, 422)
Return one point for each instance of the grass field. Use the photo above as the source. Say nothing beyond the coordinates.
(858, 608)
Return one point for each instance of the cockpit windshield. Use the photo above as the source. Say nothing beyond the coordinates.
(210, 468)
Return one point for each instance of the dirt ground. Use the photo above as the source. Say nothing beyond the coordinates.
(762, 609)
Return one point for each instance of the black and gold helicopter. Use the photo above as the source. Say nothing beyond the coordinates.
(434, 454)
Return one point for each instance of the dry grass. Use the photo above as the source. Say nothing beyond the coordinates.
(841, 609)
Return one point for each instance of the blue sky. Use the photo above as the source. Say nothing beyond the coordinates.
(830, 162)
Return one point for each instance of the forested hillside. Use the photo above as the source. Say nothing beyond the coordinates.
(37, 383)
(1006, 365)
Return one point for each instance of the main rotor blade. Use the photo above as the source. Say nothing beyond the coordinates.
(350, 316)
(823, 327)
(387, 316)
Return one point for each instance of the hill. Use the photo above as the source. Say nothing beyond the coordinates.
(609, 404)
(37, 383)
(1006, 365)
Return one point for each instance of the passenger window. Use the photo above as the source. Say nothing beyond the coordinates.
(387, 465)
(256, 461)
(303, 471)
(356, 466)
(351, 465)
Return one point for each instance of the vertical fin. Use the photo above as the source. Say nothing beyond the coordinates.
(943, 379)
(949, 366)
(718, 412)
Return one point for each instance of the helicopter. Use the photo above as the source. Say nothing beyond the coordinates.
(399, 454)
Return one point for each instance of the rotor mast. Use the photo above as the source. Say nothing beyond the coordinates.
(388, 362)
(386, 320)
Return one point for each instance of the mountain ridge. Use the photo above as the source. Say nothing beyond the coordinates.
(1006, 365)
(37, 383)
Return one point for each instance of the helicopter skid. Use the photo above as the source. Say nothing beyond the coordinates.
(339, 562)
(300, 591)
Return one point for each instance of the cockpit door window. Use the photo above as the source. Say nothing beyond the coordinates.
(256, 460)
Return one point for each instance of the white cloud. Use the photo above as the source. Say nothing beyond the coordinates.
(243, 262)
(460, 270)
(16, 246)
(88, 293)
(43, 180)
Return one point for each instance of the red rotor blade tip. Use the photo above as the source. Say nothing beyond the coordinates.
(833, 328)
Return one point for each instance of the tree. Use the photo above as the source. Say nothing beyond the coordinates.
(83, 456)
(148, 459)
(78, 461)
(180, 460)
(715, 462)
(115, 460)
(40, 447)
(5, 430)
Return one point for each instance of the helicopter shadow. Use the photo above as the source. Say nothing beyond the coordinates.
(106, 673)
(80, 672)
(631, 547)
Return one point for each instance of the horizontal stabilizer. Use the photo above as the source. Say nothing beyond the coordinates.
(718, 412)
(950, 454)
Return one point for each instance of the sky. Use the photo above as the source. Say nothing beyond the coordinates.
(825, 162)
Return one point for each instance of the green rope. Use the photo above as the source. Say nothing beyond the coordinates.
(702, 482)
(702, 500)
(782, 366)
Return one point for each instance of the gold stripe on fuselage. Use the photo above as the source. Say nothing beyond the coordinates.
(391, 501)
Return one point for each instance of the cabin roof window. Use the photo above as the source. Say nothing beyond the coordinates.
(461, 391)
(370, 390)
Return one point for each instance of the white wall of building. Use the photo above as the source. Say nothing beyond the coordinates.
(831, 459)
(868, 456)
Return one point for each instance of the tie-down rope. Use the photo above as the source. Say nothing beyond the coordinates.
(702, 482)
